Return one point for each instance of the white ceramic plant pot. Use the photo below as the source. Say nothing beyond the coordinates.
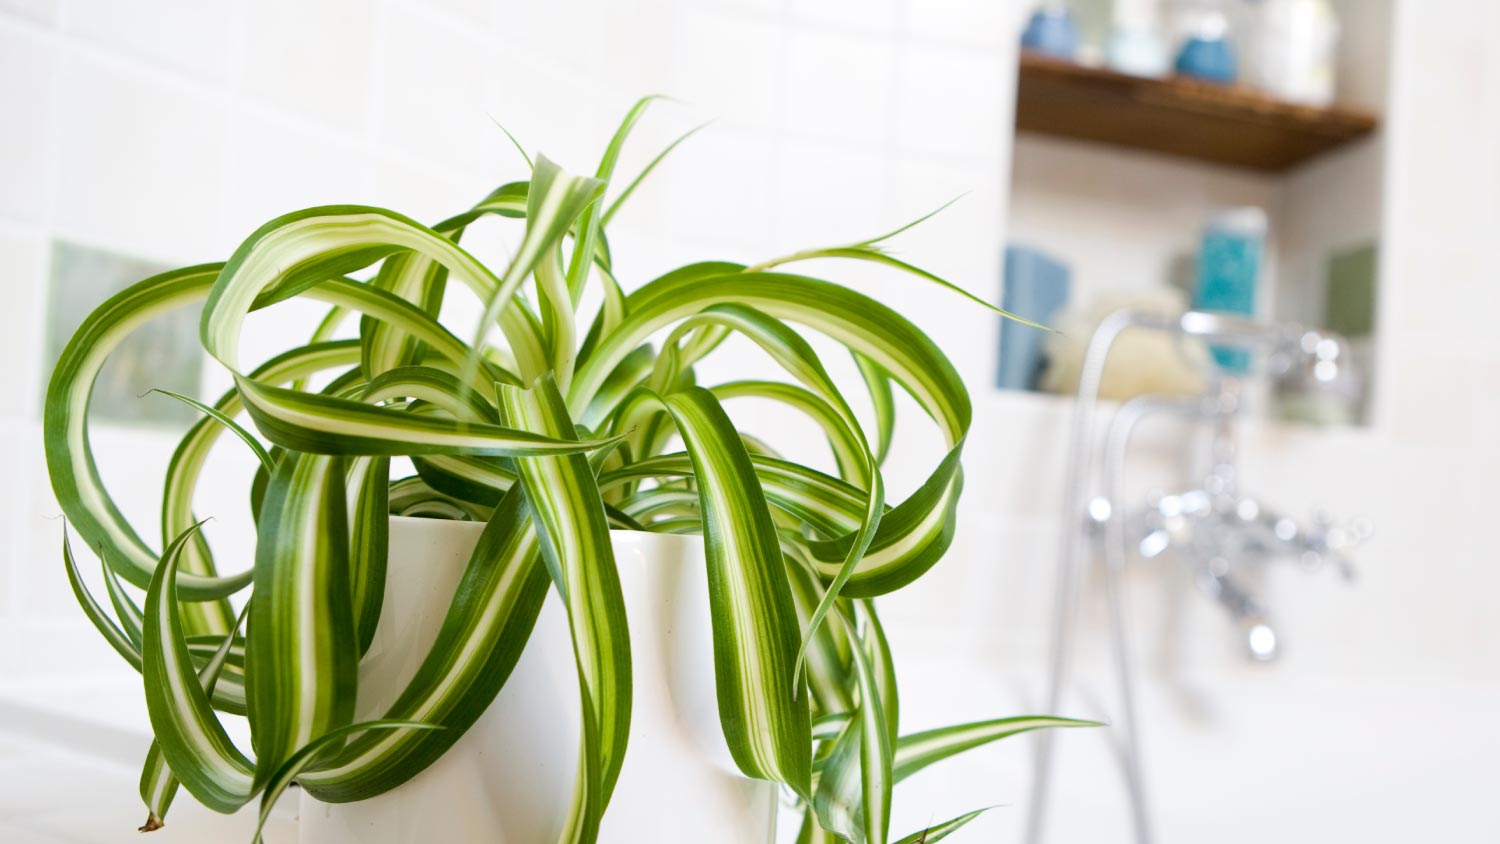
(510, 778)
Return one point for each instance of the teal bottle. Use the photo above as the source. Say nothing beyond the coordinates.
(1229, 265)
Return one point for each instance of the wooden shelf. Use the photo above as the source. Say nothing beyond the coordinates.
(1178, 116)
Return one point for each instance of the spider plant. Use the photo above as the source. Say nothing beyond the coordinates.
(552, 423)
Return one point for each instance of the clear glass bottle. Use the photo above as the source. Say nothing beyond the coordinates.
(1136, 45)
(1295, 52)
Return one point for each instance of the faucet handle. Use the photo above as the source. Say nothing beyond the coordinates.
(1329, 539)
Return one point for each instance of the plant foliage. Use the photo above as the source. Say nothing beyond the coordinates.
(552, 423)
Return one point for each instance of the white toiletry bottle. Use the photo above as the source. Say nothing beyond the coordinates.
(1136, 45)
(1296, 50)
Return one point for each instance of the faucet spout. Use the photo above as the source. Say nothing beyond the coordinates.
(1249, 616)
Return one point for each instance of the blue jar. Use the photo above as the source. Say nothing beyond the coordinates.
(1207, 53)
(1051, 31)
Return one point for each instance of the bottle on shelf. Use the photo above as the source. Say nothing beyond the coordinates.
(1295, 50)
(1207, 53)
(1051, 31)
(1136, 45)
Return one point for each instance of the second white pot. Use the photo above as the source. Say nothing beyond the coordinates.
(510, 778)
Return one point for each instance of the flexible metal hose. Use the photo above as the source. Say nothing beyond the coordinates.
(1080, 471)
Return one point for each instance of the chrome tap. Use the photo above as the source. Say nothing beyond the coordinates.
(1220, 531)
(1222, 537)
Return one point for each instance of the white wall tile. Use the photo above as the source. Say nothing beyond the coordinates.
(14, 489)
(838, 86)
(980, 23)
(537, 26)
(433, 106)
(729, 65)
(938, 111)
(853, 15)
(278, 165)
(762, 7)
(154, 189)
(38, 571)
(638, 55)
(956, 243)
(311, 58)
(720, 187)
(829, 193)
(481, 12)
(22, 272)
(40, 11)
(551, 109)
(1430, 388)
(185, 35)
(423, 194)
(28, 64)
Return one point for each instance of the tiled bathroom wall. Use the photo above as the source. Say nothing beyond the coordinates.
(167, 131)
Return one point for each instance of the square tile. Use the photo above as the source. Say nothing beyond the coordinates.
(433, 108)
(524, 89)
(852, 15)
(980, 23)
(949, 103)
(39, 11)
(1427, 387)
(638, 55)
(312, 59)
(164, 353)
(719, 187)
(278, 165)
(28, 63)
(839, 86)
(193, 37)
(536, 27)
(418, 192)
(829, 193)
(481, 12)
(153, 190)
(960, 242)
(760, 7)
(22, 260)
(15, 489)
(729, 66)
(664, 122)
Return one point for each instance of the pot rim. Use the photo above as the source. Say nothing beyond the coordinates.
(616, 535)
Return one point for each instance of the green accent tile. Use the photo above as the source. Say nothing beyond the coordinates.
(1349, 306)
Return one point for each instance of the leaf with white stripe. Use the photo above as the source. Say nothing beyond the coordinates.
(70, 460)
(756, 638)
(477, 645)
(199, 752)
(573, 533)
(369, 543)
(303, 650)
(158, 786)
(917, 751)
(938, 832)
(854, 791)
(106, 626)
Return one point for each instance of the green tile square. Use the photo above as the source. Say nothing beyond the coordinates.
(1349, 306)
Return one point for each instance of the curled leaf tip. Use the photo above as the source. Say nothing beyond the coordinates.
(152, 824)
